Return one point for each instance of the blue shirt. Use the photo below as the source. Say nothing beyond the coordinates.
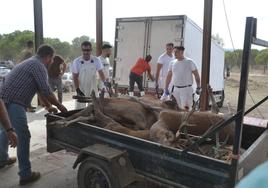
(24, 80)
(258, 178)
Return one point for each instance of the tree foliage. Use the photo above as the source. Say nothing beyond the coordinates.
(13, 43)
(262, 57)
(256, 57)
(233, 58)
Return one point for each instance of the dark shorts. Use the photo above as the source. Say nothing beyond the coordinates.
(135, 78)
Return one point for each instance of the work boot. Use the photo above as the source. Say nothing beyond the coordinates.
(32, 178)
(10, 161)
(29, 109)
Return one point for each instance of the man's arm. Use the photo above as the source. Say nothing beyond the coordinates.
(76, 81)
(197, 78)
(53, 100)
(168, 79)
(158, 68)
(11, 135)
(150, 74)
(101, 74)
(47, 104)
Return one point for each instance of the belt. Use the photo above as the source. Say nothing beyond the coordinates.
(183, 86)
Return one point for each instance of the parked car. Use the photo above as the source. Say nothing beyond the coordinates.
(3, 72)
(8, 64)
(67, 82)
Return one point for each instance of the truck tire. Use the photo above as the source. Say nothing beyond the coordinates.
(95, 173)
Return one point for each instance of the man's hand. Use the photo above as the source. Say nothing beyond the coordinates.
(52, 109)
(79, 92)
(165, 95)
(198, 90)
(62, 108)
(12, 138)
(166, 92)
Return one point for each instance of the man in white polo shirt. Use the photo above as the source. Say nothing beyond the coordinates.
(180, 74)
(104, 58)
(84, 70)
(162, 68)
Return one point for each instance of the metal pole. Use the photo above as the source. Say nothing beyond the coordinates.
(98, 27)
(249, 31)
(38, 27)
(38, 23)
(206, 54)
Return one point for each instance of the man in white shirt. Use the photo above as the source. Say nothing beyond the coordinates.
(180, 73)
(84, 70)
(162, 67)
(104, 58)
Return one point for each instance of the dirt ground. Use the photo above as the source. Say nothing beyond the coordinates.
(257, 90)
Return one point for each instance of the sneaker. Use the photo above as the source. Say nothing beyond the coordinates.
(33, 177)
(10, 161)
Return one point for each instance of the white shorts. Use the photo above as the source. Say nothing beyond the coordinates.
(184, 97)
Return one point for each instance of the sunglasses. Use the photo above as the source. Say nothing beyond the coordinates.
(86, 50)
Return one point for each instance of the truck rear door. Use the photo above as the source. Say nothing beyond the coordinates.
(129, 45)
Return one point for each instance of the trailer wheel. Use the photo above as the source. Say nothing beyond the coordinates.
(95, 173)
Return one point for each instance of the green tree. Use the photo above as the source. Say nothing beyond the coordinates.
(262, 59)
(61, 48)
(233, 58)
(11, 44)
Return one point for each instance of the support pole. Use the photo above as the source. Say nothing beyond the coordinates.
(249, 31)
(98, 27)
(206, 54)
(38, 23)
(38, 27)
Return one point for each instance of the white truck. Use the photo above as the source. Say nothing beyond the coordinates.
(139, 36)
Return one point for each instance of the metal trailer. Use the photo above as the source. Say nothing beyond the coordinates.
(114, 160)
(139, 36)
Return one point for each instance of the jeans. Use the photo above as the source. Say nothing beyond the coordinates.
(17, 115)
(3, 146)
(56, 83)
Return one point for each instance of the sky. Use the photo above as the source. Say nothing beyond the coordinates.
(67, 19)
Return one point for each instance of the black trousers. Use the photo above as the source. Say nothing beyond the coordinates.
(135, 78)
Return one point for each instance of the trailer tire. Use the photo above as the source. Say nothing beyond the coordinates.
(96, 173)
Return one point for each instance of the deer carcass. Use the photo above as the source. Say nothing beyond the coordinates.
(165, 129)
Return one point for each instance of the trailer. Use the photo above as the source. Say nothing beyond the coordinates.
(109, 159)
(113, 160)
(139, 36)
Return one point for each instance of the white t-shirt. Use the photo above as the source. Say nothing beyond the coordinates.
(106, 65)
(182, 72)
(164, 59)
(77, 63)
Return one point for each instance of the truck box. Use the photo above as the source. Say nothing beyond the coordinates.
(136, 37)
